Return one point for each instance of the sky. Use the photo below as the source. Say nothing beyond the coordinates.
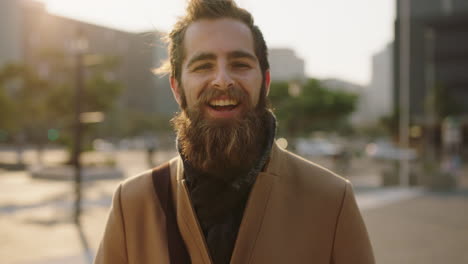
(336, 38)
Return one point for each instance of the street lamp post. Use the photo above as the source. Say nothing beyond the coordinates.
(404, 122)
(431, 97)
(80, 47)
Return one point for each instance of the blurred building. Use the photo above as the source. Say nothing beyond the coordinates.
(379, 93)
(360, 115)
(28, 32)
(10, 31)
(285, 65)
(438, 69)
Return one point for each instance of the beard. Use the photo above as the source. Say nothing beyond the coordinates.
(217, 146)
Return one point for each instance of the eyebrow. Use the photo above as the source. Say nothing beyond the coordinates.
(200, 57)
(241, 54)
(211, 56)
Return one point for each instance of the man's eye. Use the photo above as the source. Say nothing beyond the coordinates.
(240, 65)
(203, 67)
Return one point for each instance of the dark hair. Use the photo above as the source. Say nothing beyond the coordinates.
(210, 9)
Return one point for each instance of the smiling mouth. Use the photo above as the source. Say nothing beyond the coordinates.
(223, 104)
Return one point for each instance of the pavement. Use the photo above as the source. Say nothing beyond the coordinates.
(431, 228)
(405, 225)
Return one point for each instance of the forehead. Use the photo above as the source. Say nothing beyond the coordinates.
(218, 36)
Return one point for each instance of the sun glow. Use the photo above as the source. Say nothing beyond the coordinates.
(339, 40)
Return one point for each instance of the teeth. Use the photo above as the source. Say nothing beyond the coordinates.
(224, 102)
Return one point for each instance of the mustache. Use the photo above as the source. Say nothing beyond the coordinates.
(235, 93)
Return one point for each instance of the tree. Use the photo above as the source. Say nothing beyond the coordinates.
(25, 107)
(314, 108)
(33, 106)
(5, 109)
(6, 120)
(101, 91)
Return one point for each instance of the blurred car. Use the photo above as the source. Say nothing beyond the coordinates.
(386, 150)
(316, 147)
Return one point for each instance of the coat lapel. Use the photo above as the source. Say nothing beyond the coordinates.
(187, 220)
(253, 218)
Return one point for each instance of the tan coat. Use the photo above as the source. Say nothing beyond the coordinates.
(297, 212)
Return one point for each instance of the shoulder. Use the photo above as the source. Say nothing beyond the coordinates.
(295, 170)
(138, 188)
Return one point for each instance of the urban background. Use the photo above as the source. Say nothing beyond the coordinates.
(81, 110)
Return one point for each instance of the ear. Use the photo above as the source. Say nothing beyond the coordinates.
(267, 82)
(175, 89)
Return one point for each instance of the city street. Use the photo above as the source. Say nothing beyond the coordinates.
(405, 225)
(93, 93)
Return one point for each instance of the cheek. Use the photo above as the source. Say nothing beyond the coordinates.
(254, 88)
(194, 87)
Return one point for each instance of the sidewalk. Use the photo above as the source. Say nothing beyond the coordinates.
(432, 228)
(422, 228)
(405, 226)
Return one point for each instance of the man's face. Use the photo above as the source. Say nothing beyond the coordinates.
(219, 59)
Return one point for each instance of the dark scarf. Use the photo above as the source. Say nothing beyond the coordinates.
(219, 202)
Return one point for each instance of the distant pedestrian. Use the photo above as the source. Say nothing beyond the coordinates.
(150, 145)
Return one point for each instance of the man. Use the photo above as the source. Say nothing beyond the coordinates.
(234, 195)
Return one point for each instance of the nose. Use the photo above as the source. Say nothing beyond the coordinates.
(222, 79)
